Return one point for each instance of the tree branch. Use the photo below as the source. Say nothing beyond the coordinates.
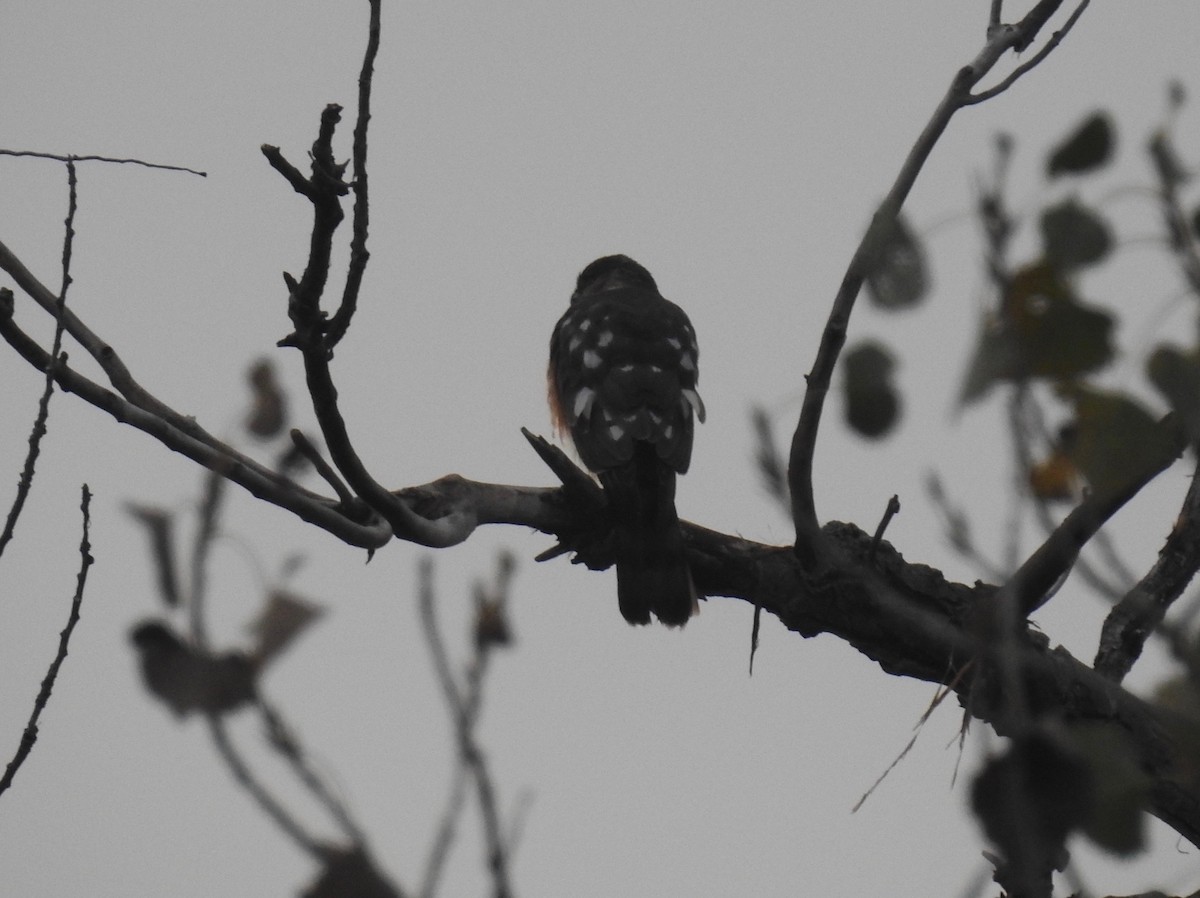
(1143, 608)
(193, 442)
(1000, 40)
(30, 734)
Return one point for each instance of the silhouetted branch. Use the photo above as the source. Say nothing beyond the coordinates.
(60, 158)
(463, 704)
(30, 733)
(259, 793)
(25, 483)
(1000, 40)
(359, 254)
(1143, 608)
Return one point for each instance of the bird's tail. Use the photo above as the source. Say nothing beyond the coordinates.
(652, 570)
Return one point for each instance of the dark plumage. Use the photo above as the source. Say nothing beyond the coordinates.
(622, 383)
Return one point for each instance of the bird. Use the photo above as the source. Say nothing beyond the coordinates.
(622, 385)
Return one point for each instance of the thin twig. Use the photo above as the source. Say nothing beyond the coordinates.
(1055, 40)
(25, 483)
(187, 438)
(893, 509)
(281, 737)
(257, 791)
(206, 531)
(309, 451)
(91, 158)
(30, 734)
(464, 704)
(359, 254)
(444, 837)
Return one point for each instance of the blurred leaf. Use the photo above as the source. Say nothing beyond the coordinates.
(1117, 443)
(1074, 236)
(1088, 147)
(1170, 170)
(283, 618)
(872, 405)
(189, 680)
(1028, 800)
(1055, 478)
(1176, 95)
(268, 406)
(1041, 331)
(1120, 788)
(771, 466)
(897, 274)
(160, 526)
(1176, 375)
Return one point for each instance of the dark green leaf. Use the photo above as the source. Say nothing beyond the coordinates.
(1117, 442)
(1088, 147)
(1117, 819)
(1041, 331)
(872, 404)
(1028, 800)
(897, 274)
(1074, 236)
(1176, 374)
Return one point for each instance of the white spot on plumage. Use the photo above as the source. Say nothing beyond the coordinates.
(583, 403)
(591, 358)
(687, 362)
(615, 431)
(626, 368)
(674, 343)
(585, 325)
(668, 431)
(692, 398)
(574, 343)
(604, 339)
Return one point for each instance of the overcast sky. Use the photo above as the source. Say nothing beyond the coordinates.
(734, 149)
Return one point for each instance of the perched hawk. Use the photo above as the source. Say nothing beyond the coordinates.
(622, 383)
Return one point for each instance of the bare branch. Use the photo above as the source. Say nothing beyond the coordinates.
(1055, 40)
(1143, 608)
(60, 158)
(1000, 40)
(30, 734)
(359, 255)
(324, 190)
(281, 737)
(25, 483)
(464, 703)
(193, 442)
(245, 778)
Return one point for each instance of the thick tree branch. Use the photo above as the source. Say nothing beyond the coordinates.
(1000, 40)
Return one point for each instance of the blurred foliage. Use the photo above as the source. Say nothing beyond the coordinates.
(872, 403)
(897, 275)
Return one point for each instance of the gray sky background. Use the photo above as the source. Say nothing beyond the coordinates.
(737, 151)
